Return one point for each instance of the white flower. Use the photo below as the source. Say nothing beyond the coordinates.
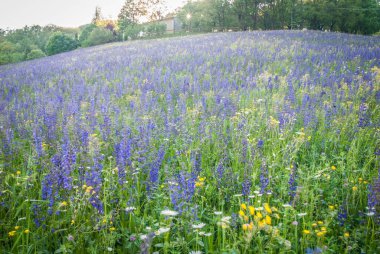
(109, 249)
(143, 237)
(302, 214)
(286, 205)
(370, 214)
(130, 209)
(251, 196)
(259, 208)
(199, 226)
(201, 233)
(256, 192)
(226, 219)
(162, 231)
(195, 252)
(238, 195)
(218, 213)
(169, 213)
(208, 234)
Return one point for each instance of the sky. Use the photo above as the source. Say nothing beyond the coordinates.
(66, 13)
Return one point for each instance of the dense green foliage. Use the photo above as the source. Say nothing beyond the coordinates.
(98, 36)
(350, 16)
(34, 54)
(60, 42)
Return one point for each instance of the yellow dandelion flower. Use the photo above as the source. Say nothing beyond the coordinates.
(251, 210)
(245, 227)
(314, 225)
(12, 233)
(112, 229)
(331, 207)
(18, 172)
(365, 182)
(84, 186)
(246, 218)
(261, 224)
(17, 227)
(306, 232)
(26, 231)
(259, 215)
(243, 207)
(64, 203)
(346, 234)
(320, 222)
(268, 220)
(321, 233)
(267, 208)
(89, 189)
(324, 229)
(241, 213)
(333, 167)
(72, 222)
(250, 226)
(354, 188)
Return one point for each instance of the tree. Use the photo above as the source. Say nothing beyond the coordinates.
(97, 16)
(85, 32)
(131, 12)
(60, 42)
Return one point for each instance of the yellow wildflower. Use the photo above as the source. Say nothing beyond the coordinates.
(112, 229)
(268, 220)
(306, 232)
(84, 186)
(320, 222)
(346, 234)
(18, 172)
(89, 189)
(26, 231)
(267, 208)
(17, 227)
(243, 206)
(321, 233)
(333, 167)
(64, 203)
(250, 226)
(241, 213)
(324, 229)
(354, 188)
(261, 224)
(246, 218)
(12, 233)
(314, 225)
(331, 207)
(245, 227)
(72, 222)
(259, 215)
(251, 210)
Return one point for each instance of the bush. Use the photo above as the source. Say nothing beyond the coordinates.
(34, 54)
(60, 42)
(98, 36)
(85, 33)
(156, 29)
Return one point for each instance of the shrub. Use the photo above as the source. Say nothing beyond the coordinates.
(98, 36)
(60, 42)
(34, 54)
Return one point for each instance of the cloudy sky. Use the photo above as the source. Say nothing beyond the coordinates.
(66, 13)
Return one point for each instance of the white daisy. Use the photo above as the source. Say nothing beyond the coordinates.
(162, 231)
(169, 213)
(199, 226)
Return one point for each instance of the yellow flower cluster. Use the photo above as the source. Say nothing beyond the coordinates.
(88, 189)
(200, 182)
(257, 218)
(14, 232)
(319, 229)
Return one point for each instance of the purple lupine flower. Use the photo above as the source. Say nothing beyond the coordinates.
(264, 177)
(155, 169)
(292, 182)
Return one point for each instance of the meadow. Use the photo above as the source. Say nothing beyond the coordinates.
(244, 142)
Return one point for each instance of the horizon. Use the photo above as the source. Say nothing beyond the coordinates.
(67, 14)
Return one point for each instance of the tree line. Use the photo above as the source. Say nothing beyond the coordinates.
(348, 16)
(137, 18)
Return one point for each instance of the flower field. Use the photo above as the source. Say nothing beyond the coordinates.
(247, 142)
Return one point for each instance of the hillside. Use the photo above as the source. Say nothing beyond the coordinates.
(244, 142)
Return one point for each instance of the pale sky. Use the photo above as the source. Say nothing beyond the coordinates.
(65, 13)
